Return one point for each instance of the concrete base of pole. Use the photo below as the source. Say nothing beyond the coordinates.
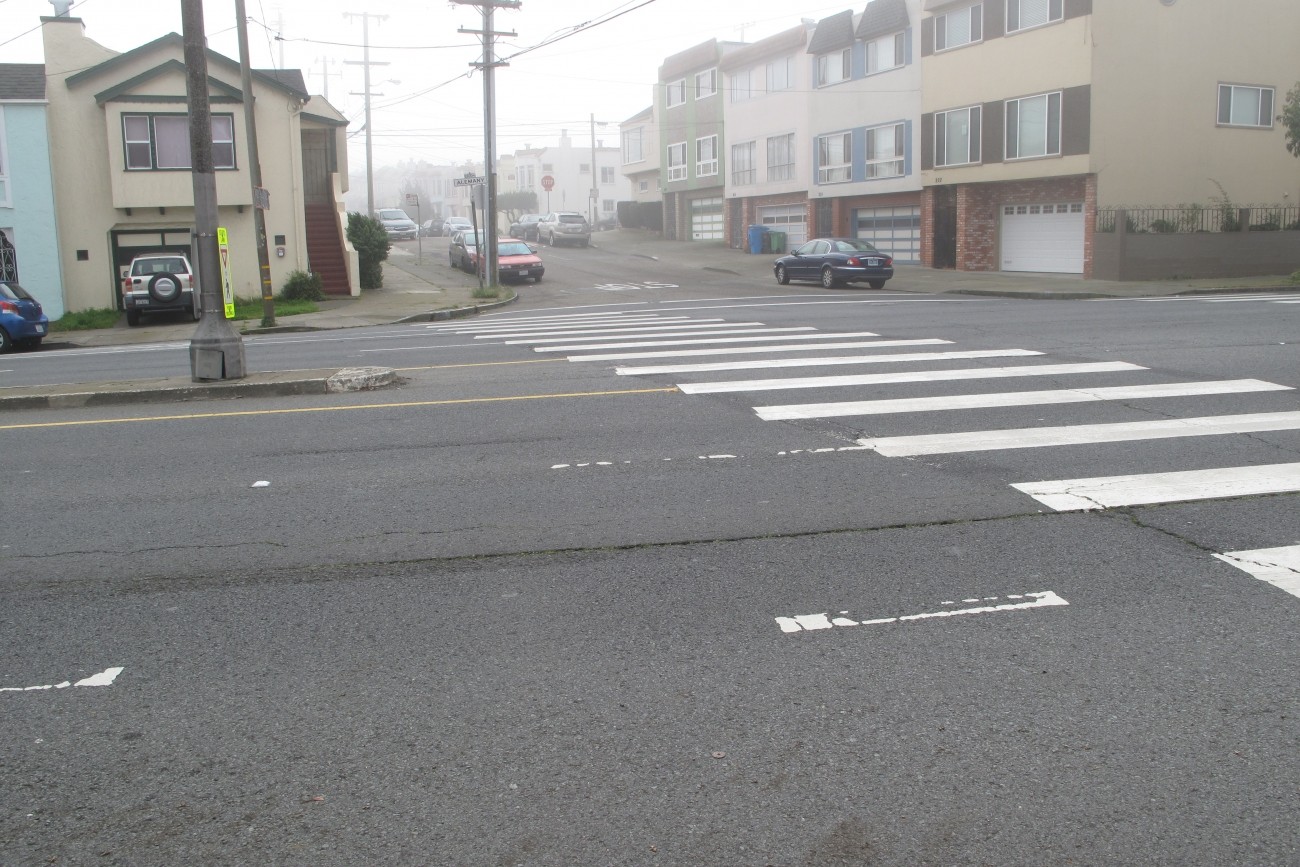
(216, 350)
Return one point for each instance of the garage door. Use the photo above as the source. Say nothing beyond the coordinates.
(896, 231)
(706, 219)
(791, 219)
(1043, 238)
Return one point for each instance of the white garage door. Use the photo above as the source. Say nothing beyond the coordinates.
(1043, 238)
(896, 231)
(791, 219)
(706, 219)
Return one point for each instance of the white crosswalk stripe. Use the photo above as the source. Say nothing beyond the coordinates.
(763, 334)
(1277, 566)
(827, 361)
(1111, 492)
(1273, 297)
(595, 341)
(626, 330)
(908, 376)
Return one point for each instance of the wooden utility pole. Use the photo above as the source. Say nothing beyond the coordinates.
(261, 199)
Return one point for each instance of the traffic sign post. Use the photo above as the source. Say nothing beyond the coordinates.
(227, 286)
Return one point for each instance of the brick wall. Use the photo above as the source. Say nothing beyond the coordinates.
(979, 216)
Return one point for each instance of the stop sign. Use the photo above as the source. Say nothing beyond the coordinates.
(548, 183)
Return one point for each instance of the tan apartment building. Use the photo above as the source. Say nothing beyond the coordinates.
(1036, 113)
(119, 143)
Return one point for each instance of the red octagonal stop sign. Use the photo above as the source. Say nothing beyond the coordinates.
(548, 183)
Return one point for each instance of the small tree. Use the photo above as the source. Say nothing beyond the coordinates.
(1290, 119)
(517, 203)
(367, 235)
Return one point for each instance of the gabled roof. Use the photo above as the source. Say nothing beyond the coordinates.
(289, 80)
(832, 33)
(25, 81)
(643, 114)
(322, 111)
(781, 43)
(126, 89)
(883, 17)
(693, 59)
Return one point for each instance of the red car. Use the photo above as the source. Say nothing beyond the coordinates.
(515, 260)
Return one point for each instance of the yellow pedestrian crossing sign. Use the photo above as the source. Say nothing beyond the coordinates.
(227, 287)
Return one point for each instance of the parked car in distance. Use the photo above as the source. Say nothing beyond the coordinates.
(160, 283)
(452, 225)
(834, 262)
(397, 224)
(516, 260)
(564, 227)
(431, 228)
(22, 321)
(463, 244)
(525, 228)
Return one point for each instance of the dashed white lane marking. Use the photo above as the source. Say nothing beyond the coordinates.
(1012, 398)
(814, 622)
(825, 361)
(1110, 492)
(1277, 566)
(104, 678)
(909, 376)
(1081, 434)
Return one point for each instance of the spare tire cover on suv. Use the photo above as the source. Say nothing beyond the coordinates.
(164, 288)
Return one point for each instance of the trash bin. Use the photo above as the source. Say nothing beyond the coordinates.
(757, 239)
(776, 242)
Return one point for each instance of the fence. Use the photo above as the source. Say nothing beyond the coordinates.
(1188, 219)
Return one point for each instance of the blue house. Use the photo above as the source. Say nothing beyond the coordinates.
(29, 240)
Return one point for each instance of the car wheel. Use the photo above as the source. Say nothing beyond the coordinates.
(782, 277)
(550, 240)
(537, 279)
(133, 318)
(164, 288)
(6, 343)
(876, 284)
(828, 278)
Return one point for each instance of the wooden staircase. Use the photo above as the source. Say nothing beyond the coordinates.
(325, 250)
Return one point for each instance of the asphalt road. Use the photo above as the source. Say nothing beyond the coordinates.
(538, 607)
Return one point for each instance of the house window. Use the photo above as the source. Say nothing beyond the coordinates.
(8, 258)
(4, 165)
(957, 137)
(1023, 14)
(706, 83)
(706, 156)
(885, 149)
(633, 145)
(677, 161)
(834, 67)
(548, 167)
(1034, 126)
(607, 174)
(1245, 106)
(675, 93)
(888, 52)
(743, 170)
(959, 27)
(162, 141)
(780, 74)
(607, 205)
(780, 157)
(740, 85)
(834, 158)
(643, 186)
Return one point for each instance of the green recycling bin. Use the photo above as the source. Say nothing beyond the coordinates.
(777, 240)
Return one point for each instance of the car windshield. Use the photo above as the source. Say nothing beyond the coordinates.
(572, 218)
(14, 292)
(143, 267)
(468, 239)
(854, 246)
(513, 250)
(530, 218)
(393, 215)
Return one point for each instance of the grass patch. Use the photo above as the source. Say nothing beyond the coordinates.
(251, 308)
(487, 292)
(107, 317)
(83, 320)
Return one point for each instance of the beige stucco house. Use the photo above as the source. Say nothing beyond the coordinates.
(119, 141)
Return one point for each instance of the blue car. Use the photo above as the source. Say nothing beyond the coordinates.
(834, 262)
(22, 322)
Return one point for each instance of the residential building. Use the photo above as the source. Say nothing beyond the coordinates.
(640, 144)
(125, 186)
(576, 183)
(29, 238)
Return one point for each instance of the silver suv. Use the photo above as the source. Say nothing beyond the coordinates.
(564, 227)
(160, 283)
(397, 224)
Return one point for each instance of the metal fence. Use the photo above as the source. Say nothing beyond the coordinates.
(1188, 219)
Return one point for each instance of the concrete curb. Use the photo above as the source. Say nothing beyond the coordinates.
(457, 312)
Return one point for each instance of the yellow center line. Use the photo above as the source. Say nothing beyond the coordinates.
(398, 405)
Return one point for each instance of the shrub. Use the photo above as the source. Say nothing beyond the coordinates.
(368, 237)
(302, 286)
(1164, 227)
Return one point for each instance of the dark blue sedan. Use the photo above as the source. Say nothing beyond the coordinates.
(22, 322)
(834, 262)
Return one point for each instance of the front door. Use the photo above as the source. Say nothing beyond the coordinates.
(316, 185)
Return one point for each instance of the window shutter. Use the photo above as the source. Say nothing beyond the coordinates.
(1266, 106)
(975, 134)
(1225, 104)
(977, 22)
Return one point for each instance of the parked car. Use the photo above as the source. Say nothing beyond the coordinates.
(525, 228)
(160, 283)
(397, 224)
(834, 262)
(22, 322)
(452, 225)
(516, 260)
(431, 228)
(463, 244)
(564, 227)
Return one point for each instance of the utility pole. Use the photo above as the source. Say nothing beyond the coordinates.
(488, 65)
(326, 75)
(261, 200)
(367, 63)
(216, 351)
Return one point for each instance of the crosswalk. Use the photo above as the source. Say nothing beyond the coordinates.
(796, 361)
(1262, 297)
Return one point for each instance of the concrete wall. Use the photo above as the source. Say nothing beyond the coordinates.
(1122, 255)
(27, 203)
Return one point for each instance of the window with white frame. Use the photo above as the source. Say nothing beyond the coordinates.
(607, 174)
(607, 205)
(885, 151)
(1240, 105)
(634, 145)
(584, 168)
(548, 167)
(675, 93)
(162, 141)
(643, 186)
(834, 67)
(959, 27)
(706, 156)
(524, 178)
(740, 85)
(677, 161)
(780, 157)
(885, 53)
(1023, 14)
(834, 158)
(1034, 126)
(957, 137)
(706, 83)
(780, 74)
(743, 169)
